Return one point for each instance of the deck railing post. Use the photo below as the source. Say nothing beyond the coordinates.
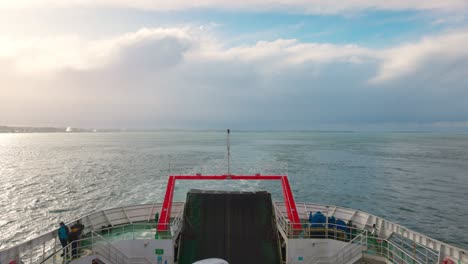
(43, 251)
(55, 245)
(326, 225)
(381, 248)
(388, 253)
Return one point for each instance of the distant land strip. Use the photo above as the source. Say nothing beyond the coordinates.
(14, 129)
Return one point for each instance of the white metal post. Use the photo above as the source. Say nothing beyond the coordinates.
(43, 251)
(55, 249)
(326, 224)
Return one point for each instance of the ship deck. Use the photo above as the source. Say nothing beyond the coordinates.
(379, 240)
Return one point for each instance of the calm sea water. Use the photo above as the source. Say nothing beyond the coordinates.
(419, 180)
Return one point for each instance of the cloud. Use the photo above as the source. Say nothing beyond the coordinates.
(302, 6)
(166, 47)
(290, 51)
(172, 77)
(435, 54)
(46, 55)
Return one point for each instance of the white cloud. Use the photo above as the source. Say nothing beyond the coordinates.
(308, 6)
(188, 75)
(166, 47)
(49, 55)
(290, 51)
(431, 52)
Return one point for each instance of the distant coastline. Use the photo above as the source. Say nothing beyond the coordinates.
(15, 129)
(27, 129)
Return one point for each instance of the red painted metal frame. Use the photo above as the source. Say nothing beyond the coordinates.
(165, 215)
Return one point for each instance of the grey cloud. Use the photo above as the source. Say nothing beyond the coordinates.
(153, 54)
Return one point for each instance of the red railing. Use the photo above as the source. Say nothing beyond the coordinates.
(287, 193)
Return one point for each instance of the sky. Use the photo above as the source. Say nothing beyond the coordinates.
(257, 64)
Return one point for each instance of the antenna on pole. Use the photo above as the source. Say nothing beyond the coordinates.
(228, 153)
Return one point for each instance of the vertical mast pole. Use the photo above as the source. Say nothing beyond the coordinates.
(228, 152)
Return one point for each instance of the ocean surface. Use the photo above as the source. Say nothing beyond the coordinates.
(419, 180)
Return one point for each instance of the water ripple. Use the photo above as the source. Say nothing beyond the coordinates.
(417, 180)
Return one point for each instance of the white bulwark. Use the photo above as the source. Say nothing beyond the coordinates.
(128, 235)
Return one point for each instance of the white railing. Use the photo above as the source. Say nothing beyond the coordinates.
(105, 249)
(98, 243)
(385, 228)
(316, 230)
(65, 254)
(37, 249)
(354, 250)
(94, 245)
(176, 224)
(282, 222)
(138, 260)
(128, 231)
(349, 253)
(396, 252)
(421, 253)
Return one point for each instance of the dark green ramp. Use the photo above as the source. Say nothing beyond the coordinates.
(238, 227)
